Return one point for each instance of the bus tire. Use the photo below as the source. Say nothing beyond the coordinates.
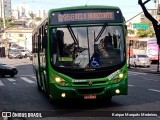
(38, 85)
(45, 85)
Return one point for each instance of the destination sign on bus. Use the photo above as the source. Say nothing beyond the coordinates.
(85, 16)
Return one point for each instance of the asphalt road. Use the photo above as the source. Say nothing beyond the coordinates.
(21, 94)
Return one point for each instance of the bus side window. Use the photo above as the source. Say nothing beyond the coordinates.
(60, 39)
(53, 43)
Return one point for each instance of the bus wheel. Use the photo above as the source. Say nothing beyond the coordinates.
(38, 85)
(135, 65)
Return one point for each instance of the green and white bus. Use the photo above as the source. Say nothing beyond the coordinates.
(80, 52)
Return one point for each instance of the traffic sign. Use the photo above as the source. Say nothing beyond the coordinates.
(140, 26)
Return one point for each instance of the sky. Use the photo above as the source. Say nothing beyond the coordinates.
(129, 8)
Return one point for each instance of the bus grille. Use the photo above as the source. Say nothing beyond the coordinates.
(86, 83)
(90, 91)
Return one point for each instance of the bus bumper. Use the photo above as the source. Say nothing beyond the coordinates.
(96, 92)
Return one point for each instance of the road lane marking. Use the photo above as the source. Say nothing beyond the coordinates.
(33, 77)
(154, 90)
(150, 79)
(26, 75)
(1, 84)
(27, 80)
(11, 79)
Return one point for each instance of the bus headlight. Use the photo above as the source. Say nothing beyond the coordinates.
(120, 75)
(117, 91)
(59, 80)
(117, 77)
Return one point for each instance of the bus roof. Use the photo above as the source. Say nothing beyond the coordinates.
(84, 8)
(85, 15)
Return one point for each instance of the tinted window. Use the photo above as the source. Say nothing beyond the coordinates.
(87, 47)
(142, 56)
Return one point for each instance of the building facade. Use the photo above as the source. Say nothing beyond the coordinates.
(20, 36)
(137, 19)
(5, 9)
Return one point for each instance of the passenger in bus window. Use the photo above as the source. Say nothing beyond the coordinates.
(115, 40)
(108, 41)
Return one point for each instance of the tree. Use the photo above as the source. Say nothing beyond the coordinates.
(8, 22)
(149, 32)
(155, 24)
(130, 31)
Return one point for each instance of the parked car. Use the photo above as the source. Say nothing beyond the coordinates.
(25, 53)
(15, 53)
(7, 70)
(140, 60)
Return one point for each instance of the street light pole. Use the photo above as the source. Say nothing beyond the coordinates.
(158, 44)
(158, 58)
(130, 44)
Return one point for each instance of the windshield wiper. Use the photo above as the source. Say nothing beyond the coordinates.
(73, 35)
(100, 33)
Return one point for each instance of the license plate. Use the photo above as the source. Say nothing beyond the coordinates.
(90, 96)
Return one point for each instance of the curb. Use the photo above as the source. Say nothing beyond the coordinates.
(144, 71)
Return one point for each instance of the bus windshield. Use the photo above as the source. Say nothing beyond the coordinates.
(87, 47)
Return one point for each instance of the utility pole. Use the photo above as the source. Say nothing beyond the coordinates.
(158, 19)
(158, 58)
